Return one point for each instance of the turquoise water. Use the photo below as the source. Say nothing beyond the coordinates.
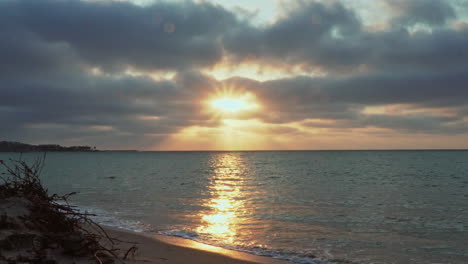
(362, 206)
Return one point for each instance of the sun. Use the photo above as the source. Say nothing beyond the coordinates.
(231, 105)
(229, 102)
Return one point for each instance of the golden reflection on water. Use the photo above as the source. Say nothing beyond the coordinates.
(222, 220)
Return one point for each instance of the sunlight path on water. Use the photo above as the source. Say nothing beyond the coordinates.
(222, 221)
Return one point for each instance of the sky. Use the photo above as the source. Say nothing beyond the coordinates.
(235, 75)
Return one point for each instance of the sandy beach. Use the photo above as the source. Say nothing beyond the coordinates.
(172, 250)
(16, 239)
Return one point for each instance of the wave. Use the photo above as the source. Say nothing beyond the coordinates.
(296, 257)
(106, 218)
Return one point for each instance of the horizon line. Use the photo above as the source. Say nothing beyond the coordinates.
(285, 150)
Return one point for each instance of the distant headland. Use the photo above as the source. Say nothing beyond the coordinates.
(11, 146)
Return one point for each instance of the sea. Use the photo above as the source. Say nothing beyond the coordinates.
(375, 207)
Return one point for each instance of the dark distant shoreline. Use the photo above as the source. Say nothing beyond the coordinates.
(11, 146)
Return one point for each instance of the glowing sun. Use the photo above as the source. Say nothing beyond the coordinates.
(230, 104)
(233, 104)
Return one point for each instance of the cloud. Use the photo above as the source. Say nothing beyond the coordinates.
(331, 38)
(428, 124)
(298, 37)
(343, 100)
(430, 12)
(113, 35)
(63, 108)
(327, 37)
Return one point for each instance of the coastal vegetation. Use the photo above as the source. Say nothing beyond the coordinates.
(12, 146)
(38, 227)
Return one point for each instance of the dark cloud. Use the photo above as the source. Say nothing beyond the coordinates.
(118, 34)
(331, 38)
(430, 12)
(420, 123)
(299, 37)
(129, 106)
(344, 99)
(186, 35)
(443, 89)
(25, 54)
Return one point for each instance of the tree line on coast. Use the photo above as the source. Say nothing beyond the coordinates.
(12, 146)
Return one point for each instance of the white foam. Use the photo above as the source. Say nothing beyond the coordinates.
(259, 251)
(109, 219)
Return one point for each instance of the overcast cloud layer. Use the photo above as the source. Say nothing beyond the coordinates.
(67, 71)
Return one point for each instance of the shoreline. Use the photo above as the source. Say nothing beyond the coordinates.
(175, 250)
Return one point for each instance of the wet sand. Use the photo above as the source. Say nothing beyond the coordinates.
(172, 250)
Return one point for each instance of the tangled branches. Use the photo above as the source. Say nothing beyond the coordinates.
(52, 223)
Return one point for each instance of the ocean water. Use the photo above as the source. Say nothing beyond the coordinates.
(304, 206)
